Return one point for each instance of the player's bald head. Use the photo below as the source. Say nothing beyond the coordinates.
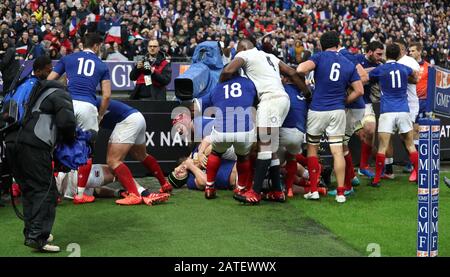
(245, 44)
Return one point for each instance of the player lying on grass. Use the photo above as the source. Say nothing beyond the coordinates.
(191, 171)
(99, 177)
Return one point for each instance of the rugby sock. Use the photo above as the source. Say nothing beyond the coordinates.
(414, 158)
(262, 163)
(291, 170)
(366, 151)
(152, 165)
(83, 176)
(212, 168)
(249, 183)
(379, 164)
(123, 173)
(349, 171)
(340, 190)
(274, 172)
(389, 165)
(301, 159)
(314, 172)
(243, 170)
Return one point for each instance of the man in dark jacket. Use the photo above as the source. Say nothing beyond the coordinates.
(9, 65)
(48, 120)
(152, 74)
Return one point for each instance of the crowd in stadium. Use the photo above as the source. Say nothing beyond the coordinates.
(57, 25)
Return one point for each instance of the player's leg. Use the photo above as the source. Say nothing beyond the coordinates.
(115, 155)
(336, 133)
(317, 122)
(388, 171)
(139, 153)
(367, 137)
(386, 127)
(353, 121)
(219, 144)
(407, 134)
(291, 139)
(242, 147)
(86, 116)
(139, 150)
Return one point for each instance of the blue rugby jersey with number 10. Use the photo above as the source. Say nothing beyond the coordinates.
(84, 72)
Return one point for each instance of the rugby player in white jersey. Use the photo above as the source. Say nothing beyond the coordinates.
(264, 70)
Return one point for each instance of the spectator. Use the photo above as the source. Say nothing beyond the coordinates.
(9, 65)
(152, 74)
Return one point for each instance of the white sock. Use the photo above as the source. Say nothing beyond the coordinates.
(389, 160)
(141, 189)
(80, 191)
(306, 174)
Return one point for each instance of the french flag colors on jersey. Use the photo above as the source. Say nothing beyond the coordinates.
(332, 75)
(232, 101)
(393, 79)
(359, 102)
(84, 72)
(296, 117)
(116, 112)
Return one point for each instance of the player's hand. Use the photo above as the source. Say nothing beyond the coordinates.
(189, 163)
(203, 160)
(140, 64)
(99, 119)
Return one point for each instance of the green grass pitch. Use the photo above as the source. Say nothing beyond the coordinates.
(189, 225)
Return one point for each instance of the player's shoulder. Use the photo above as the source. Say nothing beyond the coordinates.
(409, 61)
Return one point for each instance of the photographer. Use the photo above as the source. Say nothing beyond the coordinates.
(152, 74)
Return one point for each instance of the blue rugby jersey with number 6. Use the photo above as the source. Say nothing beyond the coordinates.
(84, 72)
(332, 75)
(232, 100)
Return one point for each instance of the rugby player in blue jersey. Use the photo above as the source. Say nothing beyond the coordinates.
(393, 78)
(333, 75)
(128, 137)
(232, 102)
(84, 71)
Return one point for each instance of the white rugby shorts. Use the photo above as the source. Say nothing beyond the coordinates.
(86, 115)
(131, 130)
(390, 122)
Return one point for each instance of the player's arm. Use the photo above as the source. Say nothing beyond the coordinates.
(413, 78)
(106, 95)
(53, 76)
(231, 68)
(305, 67)
(202, 158)
(58, 70)
(362, 74)
(200, 176)
(297, 79)
(357, 90)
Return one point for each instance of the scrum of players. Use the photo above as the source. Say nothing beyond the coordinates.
(269, 123)
(292, 118)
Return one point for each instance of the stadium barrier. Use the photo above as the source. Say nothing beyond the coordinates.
(120, 74)
(430, 141)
